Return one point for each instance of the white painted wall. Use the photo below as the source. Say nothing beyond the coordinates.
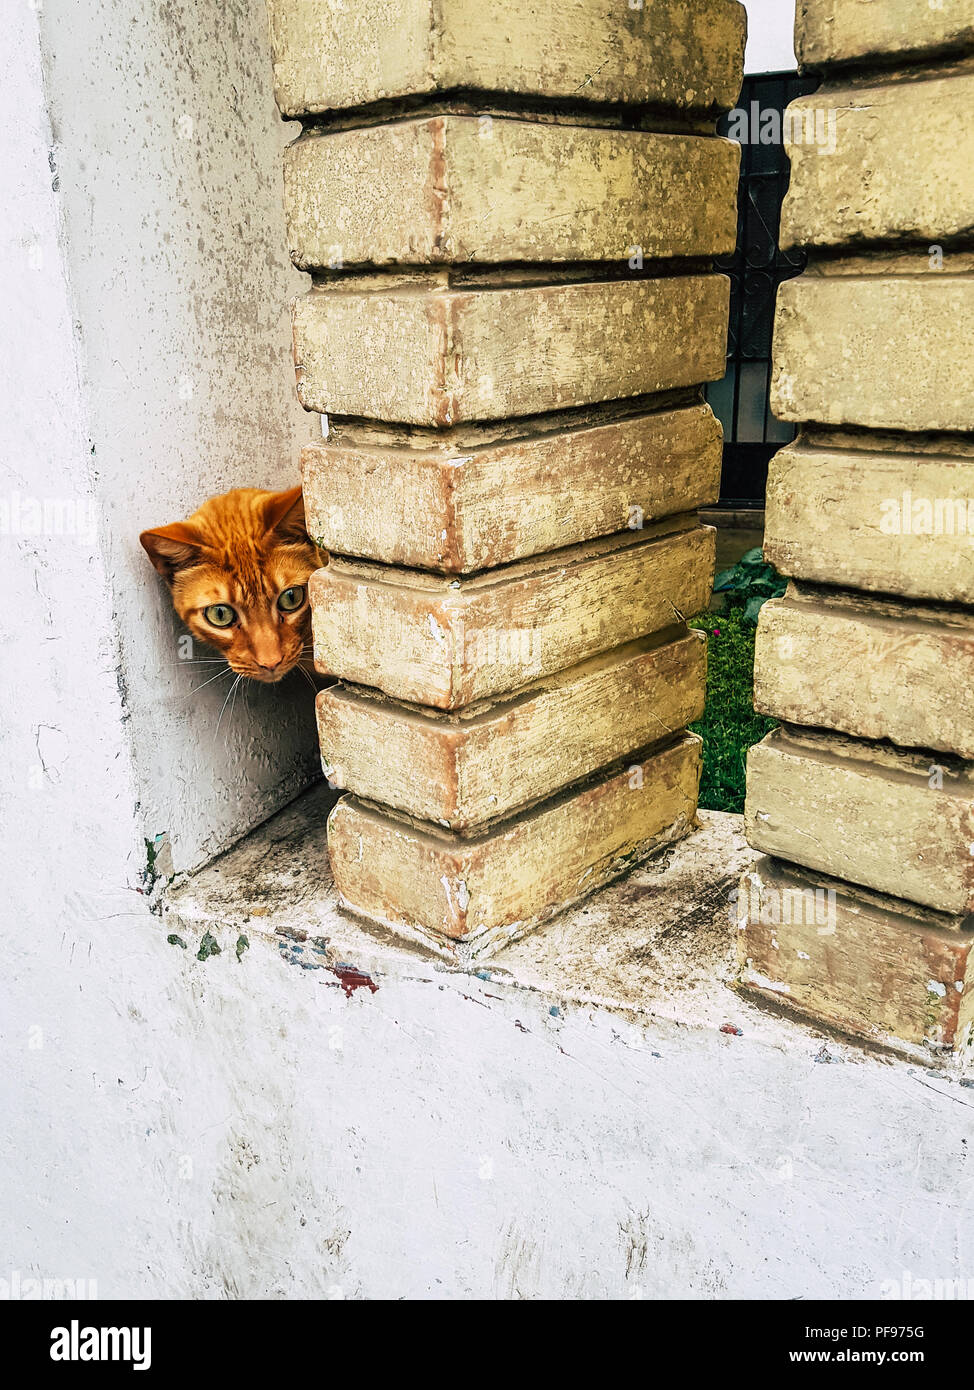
(67, 790)
(165, 147)
(220, 1129)
(770, 36)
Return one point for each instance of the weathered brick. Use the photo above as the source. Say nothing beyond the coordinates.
(850, 31)
(862, 963)
(883, 351)
(432, 641)
(330, 53)
(900, 170)
(902, 823)
(868, 667)
(489, 888)
(473, 505)
(439, 356)
(464, 770)
(450, 189)
(890, 519)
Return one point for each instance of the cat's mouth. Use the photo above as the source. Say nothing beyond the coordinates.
(264, 676)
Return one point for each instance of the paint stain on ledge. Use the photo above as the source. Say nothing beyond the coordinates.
(352, 979)
(349, 976)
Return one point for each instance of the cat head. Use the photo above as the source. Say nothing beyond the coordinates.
(238, 572)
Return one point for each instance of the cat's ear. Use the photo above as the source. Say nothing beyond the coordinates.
(171, 547)
(284, 515)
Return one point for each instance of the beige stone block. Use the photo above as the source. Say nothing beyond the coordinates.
(463, 770)
(438, 356)
(330, 54)
(868, 667)
(890, 519)
(859, 962)
(900, 170)
(475, 502)
(850, 31)
(432, 641)
(902, 823)
(489, 888)
(885, 352)
(452, 189)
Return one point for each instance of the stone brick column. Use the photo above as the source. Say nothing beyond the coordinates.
(509, 212)
(865, 795)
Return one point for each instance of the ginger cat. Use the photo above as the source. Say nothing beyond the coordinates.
(238, 571)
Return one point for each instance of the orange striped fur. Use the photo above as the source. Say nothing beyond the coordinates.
(245, 554)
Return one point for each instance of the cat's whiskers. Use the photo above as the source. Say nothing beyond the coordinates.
(225, 703)
(307, 678)
(233, 703)
(204, 684)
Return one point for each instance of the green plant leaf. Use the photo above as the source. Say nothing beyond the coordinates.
(209, 946)
(729, 725)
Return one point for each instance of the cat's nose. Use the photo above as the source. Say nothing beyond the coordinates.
(271, 669)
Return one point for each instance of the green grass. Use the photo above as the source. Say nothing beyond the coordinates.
(729, 725)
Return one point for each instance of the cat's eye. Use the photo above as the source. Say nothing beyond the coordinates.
(220, 615)
(291, 599)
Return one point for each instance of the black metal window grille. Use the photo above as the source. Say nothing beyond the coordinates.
(756, 269)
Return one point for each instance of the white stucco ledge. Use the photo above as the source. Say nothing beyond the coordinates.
(568, 1121)
(659, 944)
